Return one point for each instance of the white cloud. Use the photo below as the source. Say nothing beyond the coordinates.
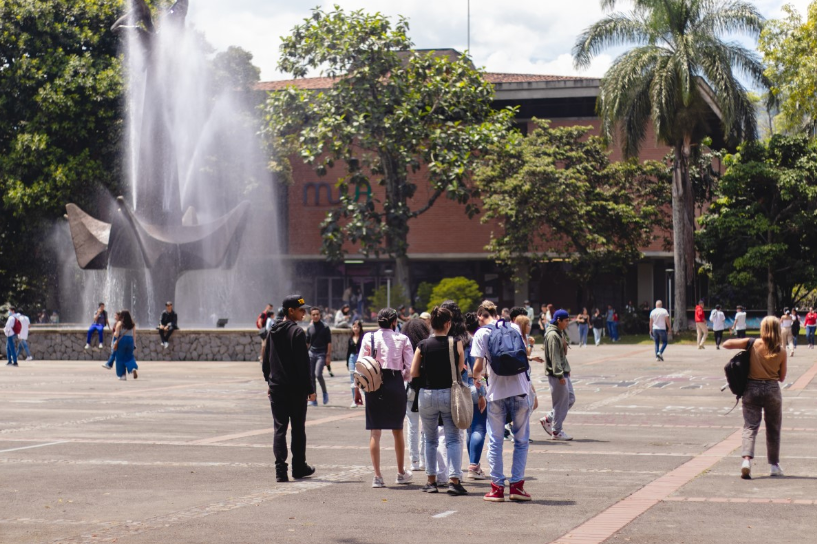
(522, 36)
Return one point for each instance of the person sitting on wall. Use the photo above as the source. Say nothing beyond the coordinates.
(98, 325)
(342, 317)
(168, 324)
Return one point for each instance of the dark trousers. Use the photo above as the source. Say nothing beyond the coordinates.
(762, 399)
(718, 338)
(165, 334)
(288, 409)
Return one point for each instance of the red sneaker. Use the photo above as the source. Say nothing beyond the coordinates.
(497, 493)
(518, 492)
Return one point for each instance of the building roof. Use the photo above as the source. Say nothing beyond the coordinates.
(319, 83)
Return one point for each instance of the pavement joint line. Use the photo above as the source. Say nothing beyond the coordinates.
(605, 524)
(270, 430)
(805, 379)
(124, 529)
(613, 358)
(444, 514)
(804, 502)
(34, 446)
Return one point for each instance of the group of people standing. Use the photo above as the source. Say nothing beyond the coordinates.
(16, 331)
(418, 367)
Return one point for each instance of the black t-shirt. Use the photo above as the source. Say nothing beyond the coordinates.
(435, 369)
(598, 321)
(318, 336)
(352, 347)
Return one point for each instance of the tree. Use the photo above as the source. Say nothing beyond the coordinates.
(678, 71)
(789, 48)
(760, 228)
(234, 69)
(557, 196)
(461, 290)
(60, 128)
(385, 296)
(393, 117)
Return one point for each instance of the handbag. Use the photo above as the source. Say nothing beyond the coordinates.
(462, 407)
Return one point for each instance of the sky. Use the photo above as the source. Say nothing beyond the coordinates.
(514, 36)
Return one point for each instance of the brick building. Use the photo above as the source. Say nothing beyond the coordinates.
(444, 242)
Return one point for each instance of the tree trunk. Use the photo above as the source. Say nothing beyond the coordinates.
(402, 275)
(682, 229)
(771, 291)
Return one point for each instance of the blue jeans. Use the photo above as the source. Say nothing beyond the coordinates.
(519, 410)
(660, 335)
(11, 349)
(475, 438)
(112, 358)
(318, 362)
(614, 330)
(351, 365)
(24, 346)
(95, 327)
(583, 328)
(810, 334)
(433, 404)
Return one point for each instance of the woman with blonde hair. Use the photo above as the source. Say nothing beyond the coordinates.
(763, 398)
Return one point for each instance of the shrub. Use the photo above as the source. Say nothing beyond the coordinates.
(424, 295)
(379, 298)
(465, 292)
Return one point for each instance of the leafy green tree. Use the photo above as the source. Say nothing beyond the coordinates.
(60, 128)
(424, 294)
(393, 117)
(789, 48)
(381, 298)
(759, 234)
(461, 290)
(233, 68)
(679, 70)
(556, 195)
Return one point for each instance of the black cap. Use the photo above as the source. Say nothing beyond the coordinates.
(294, 301)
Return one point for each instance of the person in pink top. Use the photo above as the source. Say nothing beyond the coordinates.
(386, 407)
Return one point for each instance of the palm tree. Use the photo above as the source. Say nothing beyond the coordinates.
(678, 71)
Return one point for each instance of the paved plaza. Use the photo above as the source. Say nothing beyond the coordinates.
(184, 454)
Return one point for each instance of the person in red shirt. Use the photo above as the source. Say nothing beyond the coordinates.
(811, 325)
(700, 324)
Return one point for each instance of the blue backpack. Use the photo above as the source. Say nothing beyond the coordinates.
(507, 349)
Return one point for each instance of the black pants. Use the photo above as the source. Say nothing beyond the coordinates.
(718, 337)
(165, 334)
(288, 409)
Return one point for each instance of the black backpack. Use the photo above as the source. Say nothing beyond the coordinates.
(737, 372)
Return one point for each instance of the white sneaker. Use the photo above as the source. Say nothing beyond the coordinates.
(746, 469)
(353, 405)
(123, 378)
(404, 478)
(87, 346)
(775, 471)
(166, 345)
(415, 466)
(378, 482)
(30, 358)
(105, 365)
(562, 436)
(547, 423)
(100, 346)
(476, 473)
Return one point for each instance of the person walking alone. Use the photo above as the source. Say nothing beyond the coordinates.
(125, 346)
(319, 340)
(25, 323)
(598, 325)
(558, 371)
(12, 328)
(506, 395)
(287, 371)
(739, 326)
(785, 332)
(659, 327)
(811, 326)
(795, 327)
(386, 407)
(718, 319)
(763, 398)
(583, 319)
(700, 324)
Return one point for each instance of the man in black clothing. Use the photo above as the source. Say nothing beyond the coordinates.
(288, 374)
(319, 341)
(167, 324)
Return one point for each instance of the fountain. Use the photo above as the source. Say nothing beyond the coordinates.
(191, 153)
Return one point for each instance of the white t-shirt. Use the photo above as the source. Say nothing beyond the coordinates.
(718, 320)
(499, 387)
(658, 317)
(740, 321)
(24, 324)
(785, 322)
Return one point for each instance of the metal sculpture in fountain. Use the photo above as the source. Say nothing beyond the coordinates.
(156, 236)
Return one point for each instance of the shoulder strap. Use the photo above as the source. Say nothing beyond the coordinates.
(455, 378)
(374, 351)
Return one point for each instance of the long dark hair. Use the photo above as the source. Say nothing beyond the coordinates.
(458, 329)
(417, 330)
(126, 319)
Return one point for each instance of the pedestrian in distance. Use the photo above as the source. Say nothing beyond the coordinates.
(762, 397)
(739, 325)
(598, 325)
(432, 365)
(319, 340)
(416, 330)
(718, 319)
(12, 329)
(352, 349)
(506, 395)
(168, 323)
(810, 322)
(475, 437)
(659, 329)
(287, 371)
(583, 320)
(25, 324)
(117, 318)
(558, 371)
(700, 324)
(98, 325)
(386, 407)
(125, 346)
(795, 327)
(785, 332)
